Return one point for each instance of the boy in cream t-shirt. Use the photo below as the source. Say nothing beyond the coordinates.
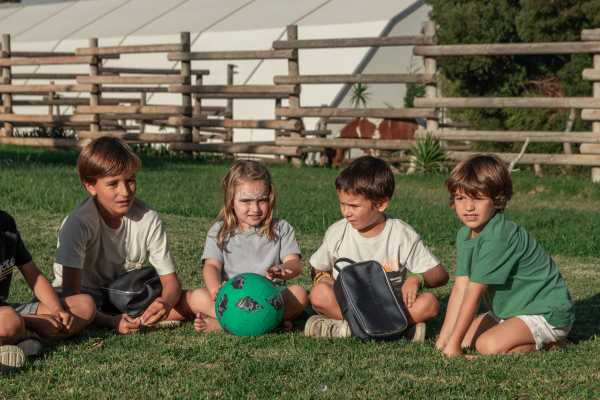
(365, 188)
(110, 233)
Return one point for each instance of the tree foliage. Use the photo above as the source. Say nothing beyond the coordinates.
(514, 21)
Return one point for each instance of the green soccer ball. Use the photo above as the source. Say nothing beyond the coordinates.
(248, 305)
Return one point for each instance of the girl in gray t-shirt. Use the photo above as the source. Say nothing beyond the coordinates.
(246, 238)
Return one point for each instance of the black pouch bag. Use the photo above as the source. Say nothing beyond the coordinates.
(132, 292)
(368, 301)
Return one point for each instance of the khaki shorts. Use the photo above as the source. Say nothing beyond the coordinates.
(542, 331)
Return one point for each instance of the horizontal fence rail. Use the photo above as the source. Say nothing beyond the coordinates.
(507, 49)
(513, 136)
(356, 112)
(355, 42)
(509, 102)
(154, 48)
(356, 78)
(233, 55)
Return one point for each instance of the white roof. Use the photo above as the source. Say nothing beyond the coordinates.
(226, 25)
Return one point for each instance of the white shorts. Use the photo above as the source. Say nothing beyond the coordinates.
(543, 332)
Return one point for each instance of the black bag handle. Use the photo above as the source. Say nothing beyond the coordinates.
(343, 259)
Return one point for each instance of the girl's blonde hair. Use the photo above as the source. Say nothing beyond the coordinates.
(243, 171)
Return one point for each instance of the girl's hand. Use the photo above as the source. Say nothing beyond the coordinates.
(214, 291)
(278, 272)
(452, 350)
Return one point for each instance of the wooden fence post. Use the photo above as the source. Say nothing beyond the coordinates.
(50, 98)
(142, 103)
(430, 68)
(94, 95)
(186, 72)
(229, 109)
(197, 111)
(596, 124)
(293, 70)
(6, 74)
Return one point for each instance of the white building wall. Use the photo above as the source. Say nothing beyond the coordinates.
(219, 26)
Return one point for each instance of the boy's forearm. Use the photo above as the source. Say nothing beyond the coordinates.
(171, 292)
(436, 277)
(71, 284)
(454, 303)
(41, 286)
(102, 320)
(45, 293)
(467, 312)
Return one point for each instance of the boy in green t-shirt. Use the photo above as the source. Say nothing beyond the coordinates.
(530, 306)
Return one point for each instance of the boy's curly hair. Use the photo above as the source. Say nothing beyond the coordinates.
(369, 177)
(481, 174)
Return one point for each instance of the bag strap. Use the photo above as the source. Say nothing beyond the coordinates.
(343, 259)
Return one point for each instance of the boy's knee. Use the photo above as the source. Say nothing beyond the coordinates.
(12, 327)
(319, 294)
(431, 305)
(486, 345)
(87, 307)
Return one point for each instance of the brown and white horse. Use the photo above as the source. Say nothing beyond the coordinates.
(375, 128)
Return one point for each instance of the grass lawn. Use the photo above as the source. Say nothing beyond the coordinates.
(40, 188)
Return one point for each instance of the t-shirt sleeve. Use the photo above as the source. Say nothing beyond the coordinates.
(494, 263)
(72, 243)
(159, 253)
(210, 248)
(420, 258)
(322, 259)
(22, 255)
(287, 238)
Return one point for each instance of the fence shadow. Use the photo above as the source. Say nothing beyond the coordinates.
(16, 158)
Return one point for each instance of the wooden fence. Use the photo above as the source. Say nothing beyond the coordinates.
(128, 118)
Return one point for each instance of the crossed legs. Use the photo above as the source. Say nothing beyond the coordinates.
(324, 302)
(203, 305)
(14, 327)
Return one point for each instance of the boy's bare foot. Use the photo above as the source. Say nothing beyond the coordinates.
(206, 323)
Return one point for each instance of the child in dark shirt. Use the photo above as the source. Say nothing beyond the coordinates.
(45, 320)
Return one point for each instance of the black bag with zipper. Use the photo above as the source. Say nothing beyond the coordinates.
(368, 301)
(132, 292)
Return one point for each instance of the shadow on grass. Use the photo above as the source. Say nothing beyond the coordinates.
(585, 327)
(13, 157)
(587, 322)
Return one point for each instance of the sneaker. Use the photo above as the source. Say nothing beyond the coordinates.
(11, 357)
(30, 347)
(415, 333)
(320, 326)
(161, 325)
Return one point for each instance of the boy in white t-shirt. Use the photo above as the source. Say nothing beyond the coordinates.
(112, 232)
(365, 188)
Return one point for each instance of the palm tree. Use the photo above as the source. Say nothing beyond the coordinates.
(359, 95)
